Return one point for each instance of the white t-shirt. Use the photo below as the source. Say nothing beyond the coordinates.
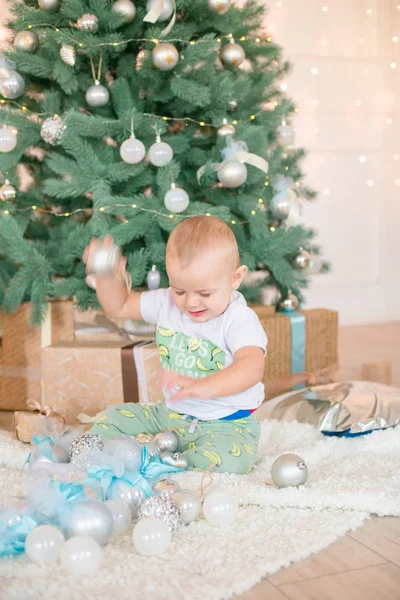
(200, 349)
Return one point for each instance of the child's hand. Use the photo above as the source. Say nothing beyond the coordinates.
(187, 387)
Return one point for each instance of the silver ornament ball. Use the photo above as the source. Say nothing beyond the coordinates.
(104, 261)
(90, 518)
(162, 507)
(176, 200)
(26, 41)
(285, 135)
(152, 449)
(131, 495)
(97, 95)
(121, 515)
(84, 443)
(232, 55)
(153, 278)
(132, 151)
(315, 265)
(12, 86)
(189, 505)
(125, 8)
(151, 536)
(160, 154)
(88, 22)
(303, 259)
(165, 56)
(7, 192)
(226, 129)
(8, 140)
(49, 4)
(125, 449)
(174, 459)
(289, 470)
(166, 486)
(167, 9)
(52, 130)
(280, 205)
(166, 440)
(68, 54)
(232, 173)
(220, 7)
(289, 304)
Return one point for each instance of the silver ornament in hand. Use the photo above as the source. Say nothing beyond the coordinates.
(104, 261)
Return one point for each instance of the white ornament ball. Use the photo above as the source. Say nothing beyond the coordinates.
(176, 200)
(125, 8)
(151, 536)
(97, 95)
(167, 9)
(232, 55)
(289, 470)
(220, 7)
(160, 154)
(26, 41)
(8, 140)
(132, 151)
(121, 515)
(285, 135)
(132, 496)
(81, 555)
(280, 205)
(88, 518)
(49, 4)
(165, 56)
(189, 505)
(232, 173)
(220, 508)
(88, 22)
(43, 544)
(12, 86)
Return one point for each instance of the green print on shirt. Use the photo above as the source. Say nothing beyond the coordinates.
(189, 356)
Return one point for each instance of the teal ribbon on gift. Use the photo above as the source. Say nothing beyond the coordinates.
(298, 344)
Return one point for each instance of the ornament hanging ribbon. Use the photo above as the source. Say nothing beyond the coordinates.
(236, 151)
(298, 343)
(155, 12)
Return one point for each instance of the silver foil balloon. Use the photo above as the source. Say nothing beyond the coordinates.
(166, 440)
(189, 505)
(162, 507)
(88, 518)
(26, 41)
(289, 470)
(97, 95)
(174, 459)
(133, 496)
(68, 54)
(232, 173)
(165, 56)
(88, 22)
(104, 261)
(84, 443)
(166, 486)
(153, 278)
(232, 55)
(52, 130)
(125, 8)
(12, 86)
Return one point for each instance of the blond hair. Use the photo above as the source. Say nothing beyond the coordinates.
(196, 235)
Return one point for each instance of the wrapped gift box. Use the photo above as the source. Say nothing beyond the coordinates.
(88, 376)
(25, 424)
(263, 310)
(94, 325)
(20, 351)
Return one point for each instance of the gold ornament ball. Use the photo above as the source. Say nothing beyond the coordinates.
(88, 22)
(49, 4)
(226, 129)
(303, 259)
(26, 41)
(68, 54)
(7, 192)
(232, 55)
(125, 8)
(165, 56)
(220, 7)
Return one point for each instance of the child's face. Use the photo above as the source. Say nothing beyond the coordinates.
(203, 289)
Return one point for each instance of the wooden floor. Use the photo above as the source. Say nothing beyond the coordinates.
(365, 564)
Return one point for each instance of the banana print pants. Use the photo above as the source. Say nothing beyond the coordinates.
(230, 445)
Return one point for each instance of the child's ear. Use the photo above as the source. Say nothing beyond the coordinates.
(238, 276)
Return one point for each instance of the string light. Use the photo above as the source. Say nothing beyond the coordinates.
(272, 228)
(393, 65)
(370, 182)
(325, 9)
(6, 212)
(395, 38)
(397, 182)
(362, 159)
(253, 212)
(389, 121)
(33, 207)
(260, 201)
(314, 71)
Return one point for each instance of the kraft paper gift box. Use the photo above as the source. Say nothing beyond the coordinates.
(87, 377)
(20, 351)
(25, 424)
(96, 326)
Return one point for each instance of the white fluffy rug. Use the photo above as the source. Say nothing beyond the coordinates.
(348, 480)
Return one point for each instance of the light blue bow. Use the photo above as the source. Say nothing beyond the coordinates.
(12, 538)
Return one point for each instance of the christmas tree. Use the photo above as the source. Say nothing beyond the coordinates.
(131, 118)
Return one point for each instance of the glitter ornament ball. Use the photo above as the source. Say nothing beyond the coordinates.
(166, 440)
(226, 129)
(7, 192)
(12, 86)
(289, 470)
(165, 56)
(232, 55)
(151, 537)
(160, 154)
(49, 4)
(84, 443)
(131, 495)
(189, 505)
(176, 200)
(104, 261)
(88, 22)
(220, 508)
(132, 151)
(285, 135)
(161, 507)
(52, 130)
(302, 260)
(81, 555)
(121, 515)
(153, 278)
(232, 173)
(88, 518)
(26, 41)
(166, 486)
(125, 8)
(289, 304)
(220, 7)
(43, 544)
(8, 140)
(167, 9)
(97, 95)
(68, 54)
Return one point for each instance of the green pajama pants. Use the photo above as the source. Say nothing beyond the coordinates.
(230, 445)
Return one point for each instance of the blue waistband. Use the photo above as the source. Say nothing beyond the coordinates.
(240, 414)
